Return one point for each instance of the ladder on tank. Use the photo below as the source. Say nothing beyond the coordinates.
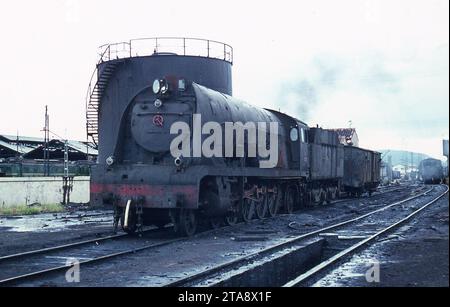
(97, 87)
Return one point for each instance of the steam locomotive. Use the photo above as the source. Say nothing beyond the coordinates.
(143, 104)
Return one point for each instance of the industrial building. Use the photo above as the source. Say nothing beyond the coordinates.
(32, 148)
(32, 156)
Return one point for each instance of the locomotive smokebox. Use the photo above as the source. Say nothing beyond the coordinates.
(126, 69)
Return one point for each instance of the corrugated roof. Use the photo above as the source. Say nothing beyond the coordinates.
(21, 149)
(82, 147)
(74, 145)
(13, 138)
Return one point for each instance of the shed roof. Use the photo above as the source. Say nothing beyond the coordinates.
(24, 139)
(21, 149)
(56, 148)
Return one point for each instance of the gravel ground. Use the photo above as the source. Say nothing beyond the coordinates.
(159, 266)
(24, 233)
(414, 255)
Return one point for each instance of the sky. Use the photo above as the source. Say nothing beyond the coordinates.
(380, 66)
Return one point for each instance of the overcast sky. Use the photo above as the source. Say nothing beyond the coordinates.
(383, 65)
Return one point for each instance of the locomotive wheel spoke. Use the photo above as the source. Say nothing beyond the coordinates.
(247, 210)
(334, 194)
(273, 205)
(262, 208)
(289, 201)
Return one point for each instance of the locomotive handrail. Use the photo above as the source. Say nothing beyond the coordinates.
(183, 45)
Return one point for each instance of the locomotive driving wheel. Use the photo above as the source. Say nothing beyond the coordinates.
(186, 224)
(262, 207)
(231, 219)
(290, 199)
(247, 209)
(272, 204)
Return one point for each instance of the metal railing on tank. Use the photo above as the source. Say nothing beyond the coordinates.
(167, 45)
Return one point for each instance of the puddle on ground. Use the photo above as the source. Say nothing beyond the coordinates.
(54, 222)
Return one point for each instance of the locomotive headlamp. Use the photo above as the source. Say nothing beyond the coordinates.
(160, 86)
(164, 87)
(158, 103)
(156, 87)
(110, 161)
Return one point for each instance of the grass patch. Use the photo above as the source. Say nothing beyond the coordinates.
(31, 210)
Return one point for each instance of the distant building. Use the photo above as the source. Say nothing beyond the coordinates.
(14, 147)
(400, 168)
(386, 172)
(8, 150)
(77, 151)
(32, 148)
(348, 136)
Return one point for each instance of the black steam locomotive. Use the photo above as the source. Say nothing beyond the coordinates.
(136, 101)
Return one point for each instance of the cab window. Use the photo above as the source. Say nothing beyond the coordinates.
(303, 135)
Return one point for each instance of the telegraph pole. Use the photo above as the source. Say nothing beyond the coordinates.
(46, 141)
(66, 158)
(17, 146)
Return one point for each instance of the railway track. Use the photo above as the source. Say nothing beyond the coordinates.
(246, 268)
(307, 277)
(31, 265)
(59, 247)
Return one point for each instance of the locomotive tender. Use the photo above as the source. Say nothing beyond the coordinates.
(139, 95)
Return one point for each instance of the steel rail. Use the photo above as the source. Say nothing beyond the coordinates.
(270, 250)
(70, 245)
(33, 275)
(347, 252)
(59, 247)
